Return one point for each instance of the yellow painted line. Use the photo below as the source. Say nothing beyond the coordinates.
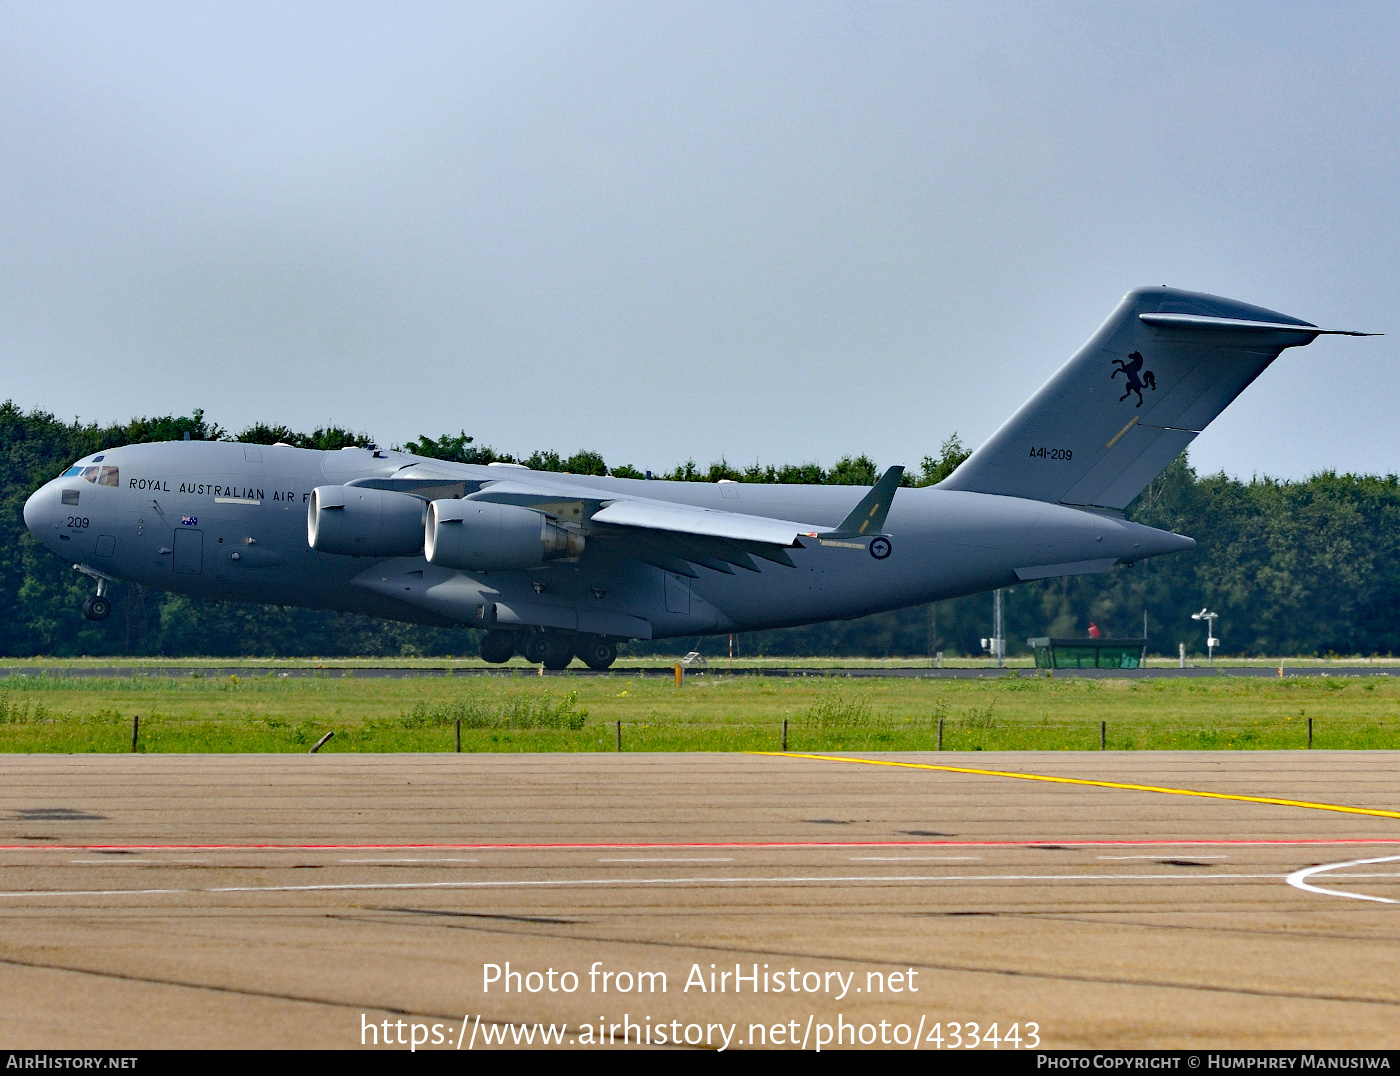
(1124, 430)
(1094, 784)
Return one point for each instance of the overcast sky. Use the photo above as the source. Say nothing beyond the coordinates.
(775, 232)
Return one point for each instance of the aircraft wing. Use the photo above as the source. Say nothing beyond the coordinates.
(671, 536)
(702, 522)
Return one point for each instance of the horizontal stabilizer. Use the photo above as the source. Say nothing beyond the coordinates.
(1194, 321)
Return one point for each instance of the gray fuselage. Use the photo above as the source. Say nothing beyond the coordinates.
(229, 521)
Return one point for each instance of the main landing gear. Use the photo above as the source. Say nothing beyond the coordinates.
(99, 606)
(597, 652)
(552, 649)
(498, 646)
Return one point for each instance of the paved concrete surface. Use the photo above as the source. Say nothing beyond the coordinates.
(291, 900)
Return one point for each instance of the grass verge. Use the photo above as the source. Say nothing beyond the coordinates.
(268, 713)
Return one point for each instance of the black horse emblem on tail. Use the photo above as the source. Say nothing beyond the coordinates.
(1130, 370)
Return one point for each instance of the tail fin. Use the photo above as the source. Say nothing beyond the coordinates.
(1163, 365)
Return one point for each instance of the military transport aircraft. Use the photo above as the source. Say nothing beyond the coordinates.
(554, 566)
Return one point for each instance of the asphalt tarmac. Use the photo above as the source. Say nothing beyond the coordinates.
(299, 900)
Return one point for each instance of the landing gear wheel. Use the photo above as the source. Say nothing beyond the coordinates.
(97, 608)
(535, 648)
(559, 653)
(498, 646)
(597, 653)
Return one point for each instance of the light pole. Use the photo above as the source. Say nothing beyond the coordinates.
(996, 645)
(1211, 641)
(998, 630)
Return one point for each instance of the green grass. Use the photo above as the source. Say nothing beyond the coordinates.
(522, 712)
(720, 664)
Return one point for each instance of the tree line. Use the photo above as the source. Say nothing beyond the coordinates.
(1293, 567)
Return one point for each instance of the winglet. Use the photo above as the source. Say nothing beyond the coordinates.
(867, 519)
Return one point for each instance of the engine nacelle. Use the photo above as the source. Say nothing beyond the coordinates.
(479, 536)
(360, 522)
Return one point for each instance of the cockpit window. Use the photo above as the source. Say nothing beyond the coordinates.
(101, 476)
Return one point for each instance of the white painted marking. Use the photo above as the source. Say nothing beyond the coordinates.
(563, 883)
(1299, 879)
(658, 859)
(921, 859)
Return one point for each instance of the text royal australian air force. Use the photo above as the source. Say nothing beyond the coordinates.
(216, 490)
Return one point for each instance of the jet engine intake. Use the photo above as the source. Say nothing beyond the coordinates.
(479, 536)
(358, 522)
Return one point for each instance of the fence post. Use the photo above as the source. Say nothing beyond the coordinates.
(1103, 735)
(680, 672)
(136, 728)
(940, 734)
(619, 735)
(459, 736)
(321, 742)
(785, 721)
(1309, 733)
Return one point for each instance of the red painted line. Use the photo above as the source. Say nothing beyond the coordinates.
(1264, 843)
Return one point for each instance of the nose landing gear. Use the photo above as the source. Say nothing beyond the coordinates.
(99, 606)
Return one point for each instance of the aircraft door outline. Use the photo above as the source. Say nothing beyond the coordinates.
(188, 546)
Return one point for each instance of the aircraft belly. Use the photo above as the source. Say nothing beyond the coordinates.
(830, 583)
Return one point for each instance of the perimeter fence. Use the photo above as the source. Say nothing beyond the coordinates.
(558, 726)
(272, 714)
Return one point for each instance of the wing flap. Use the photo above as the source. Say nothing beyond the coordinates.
(683, 519)
(542, 496)
(638, 548)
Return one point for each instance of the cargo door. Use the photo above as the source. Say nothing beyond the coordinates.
(189, 552)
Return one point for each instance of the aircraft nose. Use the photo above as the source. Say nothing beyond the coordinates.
(38, 510)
